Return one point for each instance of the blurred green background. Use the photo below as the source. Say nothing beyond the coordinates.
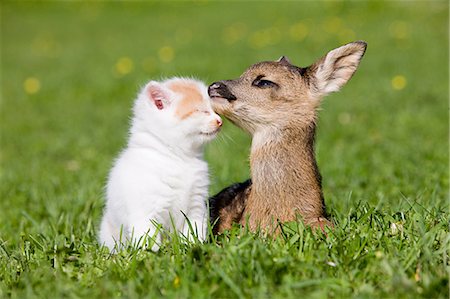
(70, 71)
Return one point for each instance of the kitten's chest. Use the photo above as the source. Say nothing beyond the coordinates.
(188, 179)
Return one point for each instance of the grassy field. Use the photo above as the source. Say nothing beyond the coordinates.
(69, 72)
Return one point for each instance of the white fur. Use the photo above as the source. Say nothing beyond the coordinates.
(161, 174)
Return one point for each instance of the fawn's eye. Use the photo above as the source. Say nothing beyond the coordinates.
(261, 83)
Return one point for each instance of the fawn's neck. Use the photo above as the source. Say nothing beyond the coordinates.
(284, 172)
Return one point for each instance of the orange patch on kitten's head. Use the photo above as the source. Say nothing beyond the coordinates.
(191, 99)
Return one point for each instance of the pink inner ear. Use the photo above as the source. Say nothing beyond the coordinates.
(156, 95)
(159, 104)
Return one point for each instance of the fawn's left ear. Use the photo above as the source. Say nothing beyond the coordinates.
(331, 72)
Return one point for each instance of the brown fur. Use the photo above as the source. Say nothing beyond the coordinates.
(233, 213)
(192, 98)
(285, 180)
(281, 117)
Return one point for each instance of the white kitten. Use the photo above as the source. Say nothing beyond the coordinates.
(161, 175)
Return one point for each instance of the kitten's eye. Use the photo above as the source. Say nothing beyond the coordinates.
(260, 83)
(206, 112)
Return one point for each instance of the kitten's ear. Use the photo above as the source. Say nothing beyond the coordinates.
(157, 94)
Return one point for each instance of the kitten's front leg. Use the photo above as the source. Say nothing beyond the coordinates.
(144, 229)
(197, 218)
(109, 233)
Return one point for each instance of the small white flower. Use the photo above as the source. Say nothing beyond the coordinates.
(332, 264)
(396, 228)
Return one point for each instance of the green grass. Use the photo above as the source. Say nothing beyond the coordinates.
(69, 72)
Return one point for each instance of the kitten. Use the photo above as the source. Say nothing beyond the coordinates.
(161, 176)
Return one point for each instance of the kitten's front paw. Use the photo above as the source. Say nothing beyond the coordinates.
(155, 247)
(194, 233)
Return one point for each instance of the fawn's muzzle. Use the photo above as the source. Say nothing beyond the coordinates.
(220, 90)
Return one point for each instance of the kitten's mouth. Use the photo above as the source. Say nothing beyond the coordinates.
(211, 134)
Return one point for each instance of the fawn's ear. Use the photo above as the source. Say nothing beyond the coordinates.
(283, 60)
(157, 94)
(331, 72)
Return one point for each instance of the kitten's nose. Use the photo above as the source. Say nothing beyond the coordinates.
(219, 122)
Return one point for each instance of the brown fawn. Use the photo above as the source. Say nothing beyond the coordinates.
(276, 102)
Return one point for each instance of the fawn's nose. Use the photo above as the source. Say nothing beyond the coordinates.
(217, 85)
(220, 90)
